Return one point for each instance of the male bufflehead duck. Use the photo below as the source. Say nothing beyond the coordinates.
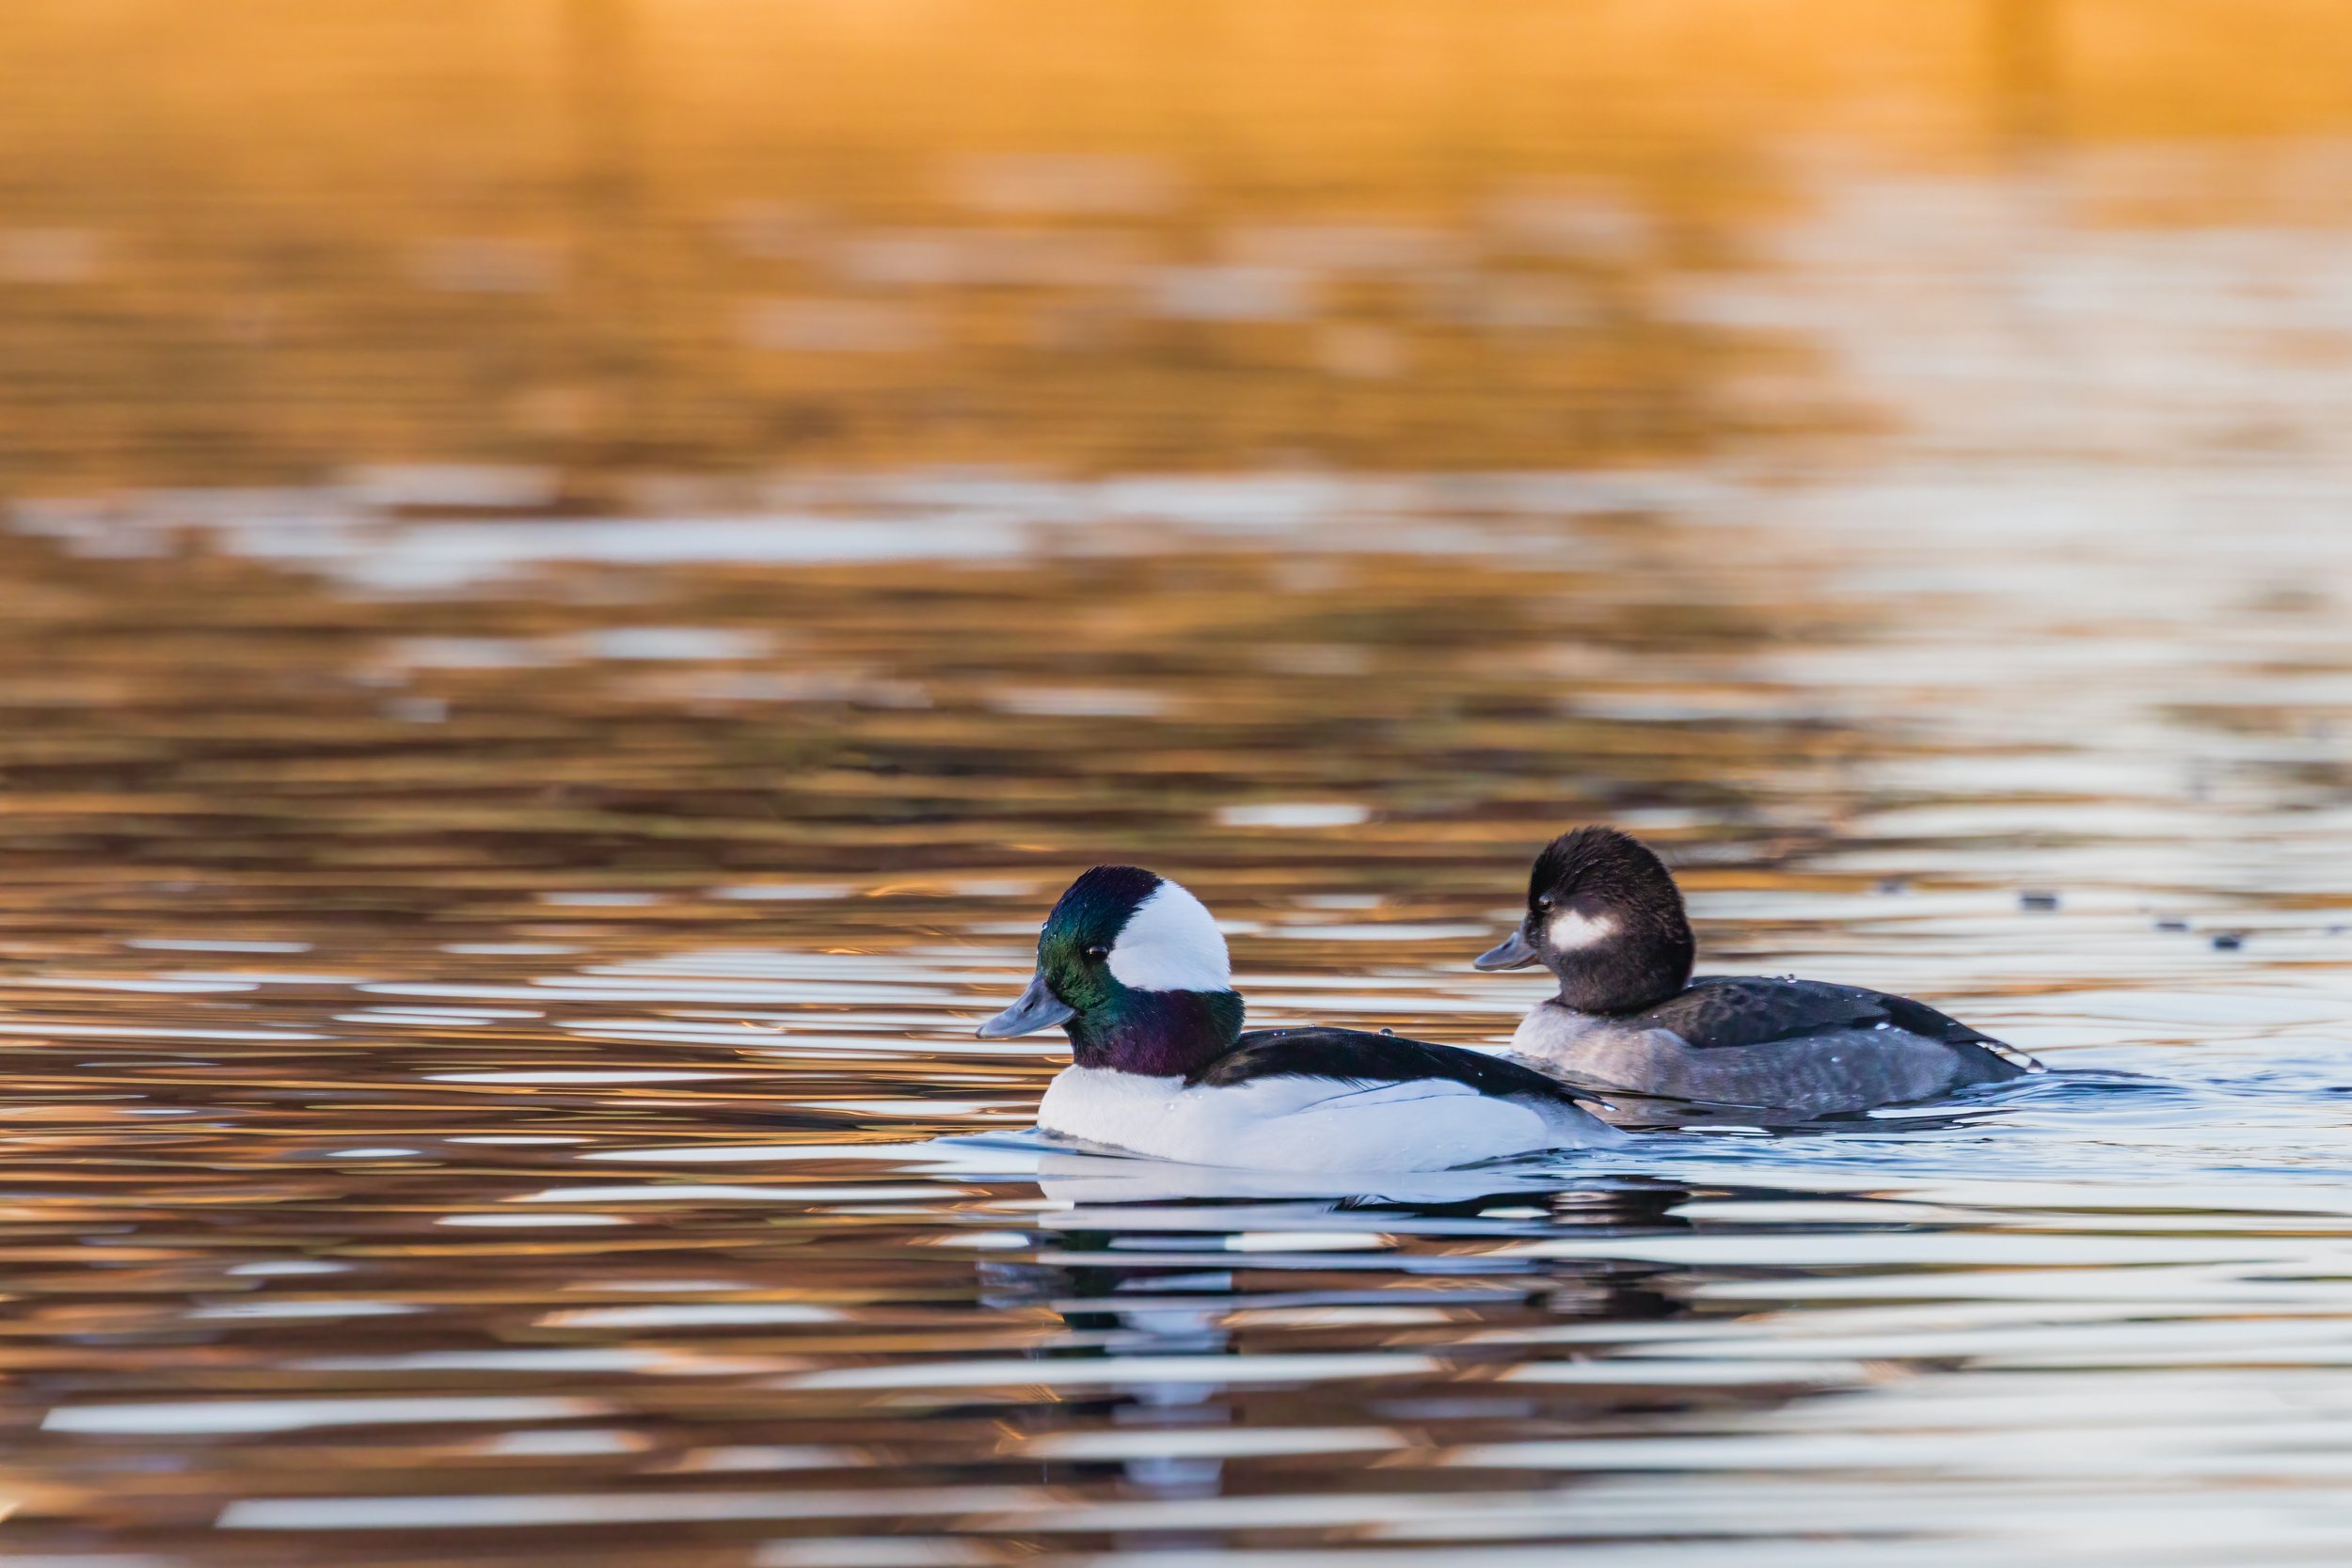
(1604, 915)
(1132, 966)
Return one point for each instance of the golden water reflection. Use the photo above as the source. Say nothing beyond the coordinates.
(268, 242)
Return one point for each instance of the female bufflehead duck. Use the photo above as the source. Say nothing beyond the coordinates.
(1605, 916)
(1134, 968)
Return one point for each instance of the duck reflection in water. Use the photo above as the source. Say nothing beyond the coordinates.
(1354, 1325)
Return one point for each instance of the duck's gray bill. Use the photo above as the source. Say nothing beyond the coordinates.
(1038, 1008)
(1512, 952)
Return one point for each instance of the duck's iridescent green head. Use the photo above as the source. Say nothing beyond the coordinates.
(1134, 968)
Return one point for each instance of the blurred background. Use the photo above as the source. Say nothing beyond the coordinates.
(612, 240)
(575, 575)
(1498, 397)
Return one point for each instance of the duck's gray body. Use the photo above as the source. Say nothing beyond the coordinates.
(1779, 1049)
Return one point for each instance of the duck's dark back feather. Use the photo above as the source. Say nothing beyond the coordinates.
(1356, 1057)
(1724, 1011)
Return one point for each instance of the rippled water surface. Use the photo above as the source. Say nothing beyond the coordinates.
(492, 916)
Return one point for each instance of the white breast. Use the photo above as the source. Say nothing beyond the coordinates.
(1099, 1106)
(1296, 1123)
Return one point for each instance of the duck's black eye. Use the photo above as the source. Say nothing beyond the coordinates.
(1098, 952)
(1543, 900)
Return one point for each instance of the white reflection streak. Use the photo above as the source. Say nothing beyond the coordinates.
(304, 1309)
(1306, 1368)
(136, 1032)
(710, 1193)
(193, 1416)
(711, 1314)
(616, 1076)
(480, 1513)
(1212, 1443)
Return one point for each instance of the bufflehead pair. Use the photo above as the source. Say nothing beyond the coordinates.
(1132, 966)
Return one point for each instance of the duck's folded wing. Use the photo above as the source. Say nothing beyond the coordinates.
(1354, 1058)
(1340, 1099)
(1724, 1011)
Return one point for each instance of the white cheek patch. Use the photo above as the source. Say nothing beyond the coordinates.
(1172, 943)
(1572, 929)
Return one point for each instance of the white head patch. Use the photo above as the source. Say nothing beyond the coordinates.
(1171, 943)
(1570, 929)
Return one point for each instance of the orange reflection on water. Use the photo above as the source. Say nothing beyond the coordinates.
(267, 242)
